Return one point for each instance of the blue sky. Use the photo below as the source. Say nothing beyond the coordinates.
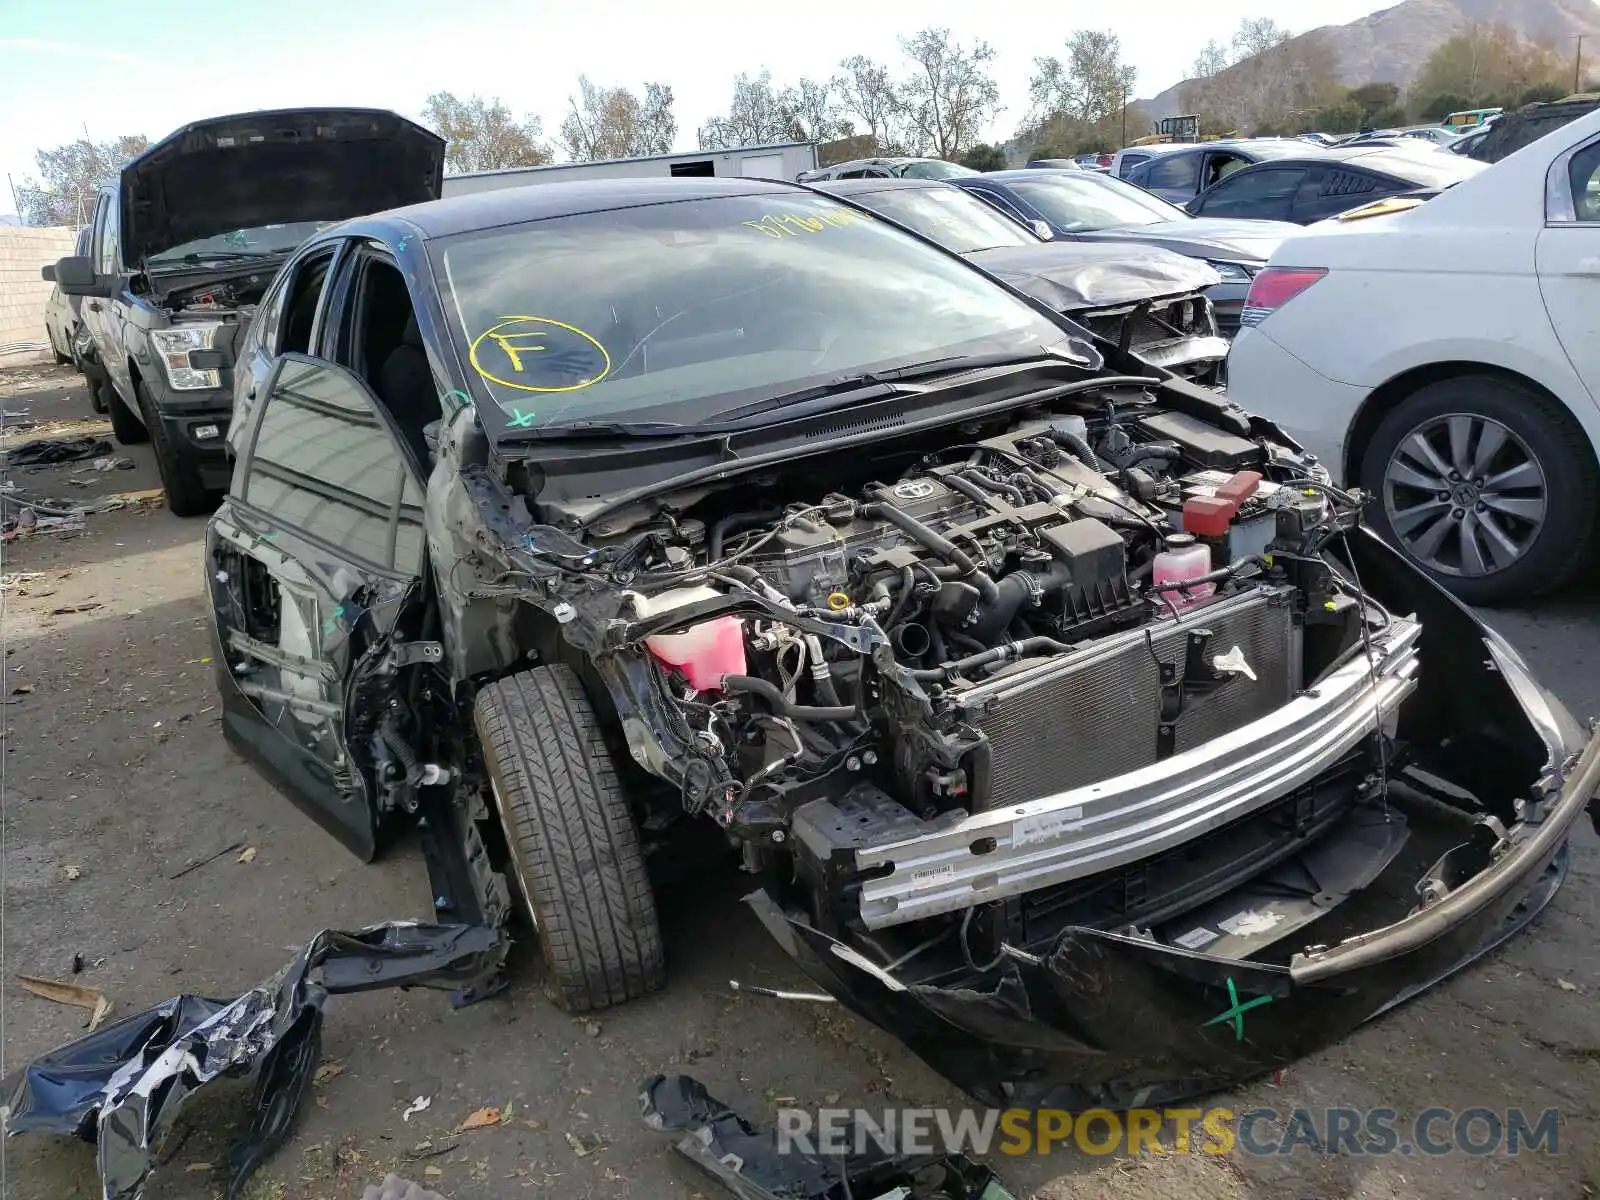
(124, 67)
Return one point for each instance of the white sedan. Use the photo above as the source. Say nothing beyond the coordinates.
(1446, 359)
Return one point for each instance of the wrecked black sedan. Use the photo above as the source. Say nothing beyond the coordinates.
(1069, 723)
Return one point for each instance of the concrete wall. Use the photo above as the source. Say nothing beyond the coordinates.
(22, 292)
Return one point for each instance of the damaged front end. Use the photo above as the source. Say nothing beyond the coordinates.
(1084, 739)
(123, 1086)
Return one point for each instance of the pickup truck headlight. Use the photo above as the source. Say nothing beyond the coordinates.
(174, 347)
(1232, 272)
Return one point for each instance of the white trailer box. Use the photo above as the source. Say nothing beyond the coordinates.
(783, 161)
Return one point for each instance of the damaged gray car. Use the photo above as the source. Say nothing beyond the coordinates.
(1067, 721)
(1145, 299)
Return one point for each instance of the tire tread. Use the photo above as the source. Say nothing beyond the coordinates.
(574, 839)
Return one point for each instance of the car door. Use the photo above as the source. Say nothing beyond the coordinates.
(314, 558)
(1174, 177)
(1259, 194)
(1219, 165)
(93, 311)
(112, 312)
(288, 319)
(1567, 258)
(1328, 191)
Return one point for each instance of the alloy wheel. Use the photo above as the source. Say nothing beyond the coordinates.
(1464, 495)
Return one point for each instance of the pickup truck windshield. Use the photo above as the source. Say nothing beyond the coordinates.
(263, 241)
(684, 311)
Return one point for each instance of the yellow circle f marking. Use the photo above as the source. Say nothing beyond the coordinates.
(528, 342)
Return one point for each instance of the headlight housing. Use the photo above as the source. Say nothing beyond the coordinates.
(1232, 272)
(174, 346)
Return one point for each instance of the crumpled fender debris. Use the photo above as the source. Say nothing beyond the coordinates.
(123, 1085)
(752, 1166)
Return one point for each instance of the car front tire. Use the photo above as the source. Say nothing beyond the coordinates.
(572, 838)
(180, 477)
(1486, 484)
(125, 426)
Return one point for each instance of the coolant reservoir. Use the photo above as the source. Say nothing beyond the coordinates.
(1183, 559)
(704, 652)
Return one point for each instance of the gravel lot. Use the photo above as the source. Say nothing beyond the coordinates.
(115, 766)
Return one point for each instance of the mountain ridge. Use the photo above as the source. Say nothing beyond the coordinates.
(1392, 44)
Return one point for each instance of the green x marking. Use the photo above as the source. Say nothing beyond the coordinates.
(1235, 1015)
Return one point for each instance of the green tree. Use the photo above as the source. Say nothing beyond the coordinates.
(1344, 117)
(69, 177)
(1374, 98)
(1542, 93)
(482, 135)
(984, 157)
(1440, 106)
(1485, 65)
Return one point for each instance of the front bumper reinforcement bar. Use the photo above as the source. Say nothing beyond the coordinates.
(1103, 826)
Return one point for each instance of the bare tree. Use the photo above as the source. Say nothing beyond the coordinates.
(868, 91)
(950, 96)
(1214, 58)
(818, 112)
(604, 122)
(759, 114)
(70, 176)
(1266, 79)
(1091, 85)
(483, 135)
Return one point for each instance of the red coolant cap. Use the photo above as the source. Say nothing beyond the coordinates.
(1208, 516)
(1240, 486)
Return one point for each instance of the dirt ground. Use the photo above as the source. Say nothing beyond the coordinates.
(116, 778)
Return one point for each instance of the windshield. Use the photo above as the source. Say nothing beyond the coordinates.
(936, 168)
(681, 311)
(951, 217)
(260, 241)
(1083, 202)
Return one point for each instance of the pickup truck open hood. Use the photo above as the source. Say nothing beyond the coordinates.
(1070, 276)
(270, 168)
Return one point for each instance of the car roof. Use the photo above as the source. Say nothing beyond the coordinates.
(850, 187)
(1409, 167)
(564, 198)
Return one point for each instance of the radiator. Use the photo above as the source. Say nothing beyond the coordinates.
(1093, 714)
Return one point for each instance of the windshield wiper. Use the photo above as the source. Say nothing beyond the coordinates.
(597, 429)
(215, 256)
(839, 392)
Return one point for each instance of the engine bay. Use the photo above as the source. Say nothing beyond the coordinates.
(947, 626)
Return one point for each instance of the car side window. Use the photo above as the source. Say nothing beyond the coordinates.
(1175, 171)
(1130, 162)
(1221, 164)
(106, 262)
(1583, 176)
(96, 224)
(1259, 194)
(325, 463)
(858, 173)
